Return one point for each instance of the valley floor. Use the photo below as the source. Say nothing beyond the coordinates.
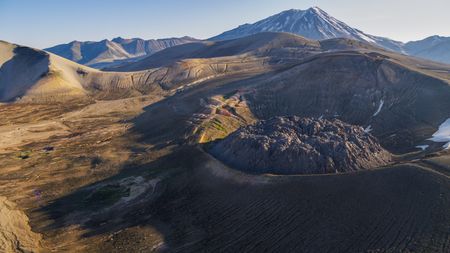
(87, 178)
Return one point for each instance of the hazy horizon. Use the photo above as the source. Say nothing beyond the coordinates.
(46, 23)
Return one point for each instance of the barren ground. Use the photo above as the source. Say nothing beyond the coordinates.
(118, 175)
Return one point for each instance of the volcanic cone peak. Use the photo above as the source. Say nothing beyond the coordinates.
(295, 145)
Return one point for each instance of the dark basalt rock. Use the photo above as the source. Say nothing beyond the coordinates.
(294, 145)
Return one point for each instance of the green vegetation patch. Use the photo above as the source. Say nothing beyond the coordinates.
(106, 195)
(217, 124)
(24, 154)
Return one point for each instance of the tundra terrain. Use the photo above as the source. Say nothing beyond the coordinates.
(125, 160)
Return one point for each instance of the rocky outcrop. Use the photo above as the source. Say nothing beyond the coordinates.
(294, 145)
(15, 232)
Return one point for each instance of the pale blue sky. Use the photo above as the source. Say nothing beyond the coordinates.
(43, 23)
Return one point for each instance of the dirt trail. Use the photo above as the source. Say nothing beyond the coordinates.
(15, 232)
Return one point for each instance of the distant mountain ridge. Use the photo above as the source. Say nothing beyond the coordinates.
(435, 48)
(108, 53)
(314, 23)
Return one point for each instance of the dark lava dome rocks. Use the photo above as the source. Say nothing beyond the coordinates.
(294, 145)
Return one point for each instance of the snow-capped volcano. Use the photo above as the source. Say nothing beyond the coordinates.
(313, 23)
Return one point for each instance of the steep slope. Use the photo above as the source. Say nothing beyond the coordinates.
(30, 71)
(435, 48)
(16, 235)
(108, 53)
(313, 23)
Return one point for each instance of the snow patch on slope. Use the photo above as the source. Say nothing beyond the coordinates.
(423, 147)
(368, 129)
(443, 134)
(379, 108)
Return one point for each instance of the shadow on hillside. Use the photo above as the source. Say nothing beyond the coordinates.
(200, 211)
(33, 61)
(390, 209)
(163, 126)
(97, 207)
(195, 208)
(169, 122)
